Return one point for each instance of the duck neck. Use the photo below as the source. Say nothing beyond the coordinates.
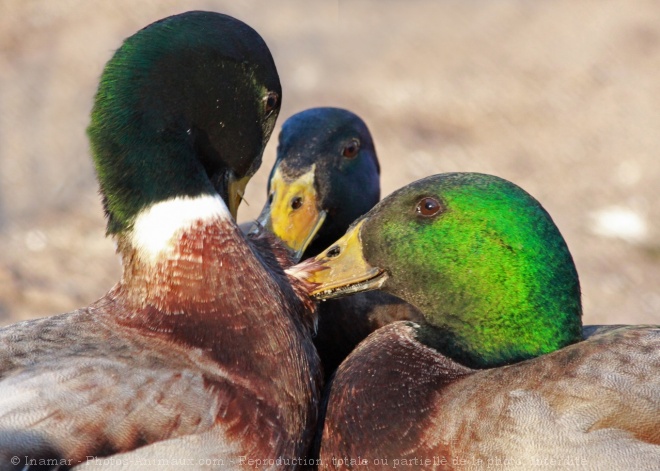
(485, 333)
(492, 317)
(186, 257)
(174, 253)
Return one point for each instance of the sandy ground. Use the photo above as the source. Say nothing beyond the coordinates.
(561, 97)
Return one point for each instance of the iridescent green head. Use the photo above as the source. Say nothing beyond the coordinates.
(478, 256)
(184, 108)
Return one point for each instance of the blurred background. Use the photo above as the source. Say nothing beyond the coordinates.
(561, 97)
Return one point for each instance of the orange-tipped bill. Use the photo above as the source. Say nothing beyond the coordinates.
(293, 215)
(340, 270)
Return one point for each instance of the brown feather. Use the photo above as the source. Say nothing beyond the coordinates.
(207, 340)
(594, 404)
(345, 322)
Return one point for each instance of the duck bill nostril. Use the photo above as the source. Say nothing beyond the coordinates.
(296, 203)
(333, 252)
(294, 213)
(341, 269)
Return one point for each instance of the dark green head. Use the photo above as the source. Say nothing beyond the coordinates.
(184, 108)
(480, 258)
(326, 175)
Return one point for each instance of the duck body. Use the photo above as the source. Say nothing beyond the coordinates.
(177, 360)
(497, 373)
(591, 405)
(117, 376)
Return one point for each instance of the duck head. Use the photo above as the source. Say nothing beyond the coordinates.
(326, 175)
(479, 256)
(183, 111)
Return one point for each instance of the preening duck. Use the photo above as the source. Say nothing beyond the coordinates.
(203, 349)
(496, 374)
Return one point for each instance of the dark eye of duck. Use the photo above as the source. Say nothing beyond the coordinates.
(270, 198)
(296, 202)
(428, 207)
(351, 149)
(270, 102)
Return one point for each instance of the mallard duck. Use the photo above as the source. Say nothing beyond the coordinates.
(496, 375)
(203, 349)
(325, 176)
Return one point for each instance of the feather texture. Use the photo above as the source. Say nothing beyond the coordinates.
(592, 405)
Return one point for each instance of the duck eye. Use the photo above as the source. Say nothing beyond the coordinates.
(270, 101)
(270, 198)
(296, 202)
(428, 207)
(351, 149)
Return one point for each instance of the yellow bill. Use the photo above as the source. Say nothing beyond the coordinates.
(293, 215)
(340, 270)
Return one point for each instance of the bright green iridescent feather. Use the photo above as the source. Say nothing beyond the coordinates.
(491, 272)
